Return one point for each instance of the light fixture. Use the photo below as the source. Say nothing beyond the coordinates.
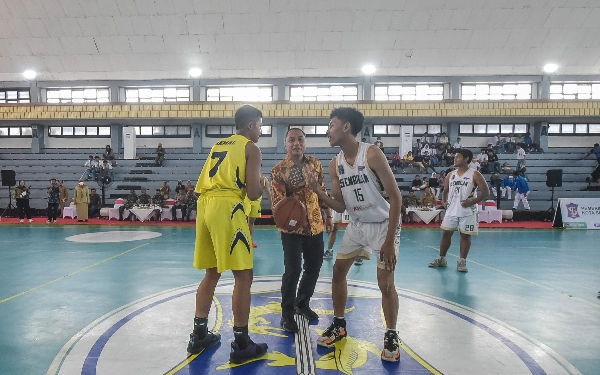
(29, 74)
(195, 72)
(368, 69)
(550, 68)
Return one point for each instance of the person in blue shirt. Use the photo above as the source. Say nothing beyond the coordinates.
(521, 188)
(506, 187)
(595, 151)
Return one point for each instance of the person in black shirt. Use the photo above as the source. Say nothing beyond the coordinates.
(494, 164)
(160, 155)
(53, 201)
(94, 205)
(179, 187)
(131, 201)
(434, 184)
(144, 198)
(427, 161)
(416, 183)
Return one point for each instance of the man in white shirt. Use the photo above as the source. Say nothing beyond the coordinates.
(458, 144)
(475, 165)
(90, 170)
(520, 157)
(482, 159)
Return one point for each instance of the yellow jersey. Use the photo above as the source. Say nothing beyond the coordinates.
(224, 172)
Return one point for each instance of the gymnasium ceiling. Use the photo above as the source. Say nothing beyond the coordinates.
(162, 39)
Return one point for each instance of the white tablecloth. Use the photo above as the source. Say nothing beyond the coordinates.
(426, 215)
(143, 214)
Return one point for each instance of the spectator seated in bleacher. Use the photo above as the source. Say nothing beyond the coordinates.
(144, 198)
(179, 187)
(474, 164)
(447, 155)
(426, 138)
(416, 146)
(418, 161)
(528, 144)
(509, 143)
(165, 189)
(131, 201)
(90, 169)
(160, 155)
(434, 184)
(97, 167)
(378, 143)
(493, 163)
(189, 187)
(396, 162)
(107, 170)
(506, 187)
(595, 151)
(482, 159)
(408, 160)
(109, 155)
(506, 168)
(425, 148)
(427, 161)
(458, 144)
(191, 202)
(596, 175)
(428, 199)
(417, 183)
(444, 140)
(410, 201)
(495, 143)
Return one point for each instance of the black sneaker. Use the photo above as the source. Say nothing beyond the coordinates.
(332, 335)
(289, 324)
(252, 351)
(307, 312)
(391, 347)
(196, 345)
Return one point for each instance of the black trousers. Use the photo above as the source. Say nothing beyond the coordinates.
(23, 206)
(297, 247)
(52, 211)
(93, 210)
(182, 207)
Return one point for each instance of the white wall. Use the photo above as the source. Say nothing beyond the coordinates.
(587, 142)
(263, 142)
(152, 143)
(15, 142)
(54, 142)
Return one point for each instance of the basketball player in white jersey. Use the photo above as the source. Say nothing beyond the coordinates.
(360, 177)
(460, 201)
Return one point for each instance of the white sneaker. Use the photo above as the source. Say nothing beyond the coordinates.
(461, 265)
(48, 221)
(328, 254)
(21, 221)
(31, 220)
(439, 262)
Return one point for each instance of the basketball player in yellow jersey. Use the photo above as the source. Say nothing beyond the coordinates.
(231, 172)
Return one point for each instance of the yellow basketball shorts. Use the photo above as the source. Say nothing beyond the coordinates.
(252, 208)
(222, 235)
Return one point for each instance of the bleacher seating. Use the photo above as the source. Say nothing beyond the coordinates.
(183, 164)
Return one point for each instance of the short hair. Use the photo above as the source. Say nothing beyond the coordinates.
(92, 189)
(351, 115)
(515, 173)
(290, 129)
(596, 144)
(90, 156)
(466, 153)
(246, 114)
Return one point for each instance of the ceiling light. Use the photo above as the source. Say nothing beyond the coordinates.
(195, 72)
(369, 69)
(29, 74)
(550, 68)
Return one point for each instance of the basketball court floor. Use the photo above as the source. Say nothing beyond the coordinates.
(120, 300)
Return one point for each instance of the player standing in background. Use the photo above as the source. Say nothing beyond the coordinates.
(360, 176)
(231, 172)
(460, 201)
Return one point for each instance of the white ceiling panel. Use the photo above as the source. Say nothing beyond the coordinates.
(95, 39)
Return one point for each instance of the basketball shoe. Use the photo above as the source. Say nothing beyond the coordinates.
(439, 262)
(333, 334)
(197, 345)
(328, 254)
(391, 347)
(251, 351)
(461, 265)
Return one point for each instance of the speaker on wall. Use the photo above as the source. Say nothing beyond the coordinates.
(554, 177)
(8, 177)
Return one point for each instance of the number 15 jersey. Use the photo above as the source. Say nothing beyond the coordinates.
(361, 188)
(224, 172)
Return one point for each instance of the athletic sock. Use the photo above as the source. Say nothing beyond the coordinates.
(339, 321)
(241, 336)
(200, 327)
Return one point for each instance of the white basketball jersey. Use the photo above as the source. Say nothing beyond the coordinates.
(362, 190)
(461, 188)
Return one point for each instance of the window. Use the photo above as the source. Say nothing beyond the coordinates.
(157, 94)
(409, 92)
(79, 131)
(14, 96)
(221, 131)
(312, 130)
(496, 91)
(239, 94)
(492, 129)
(430, 129)
(323, 93)
(78, 95)
(580, 91)
(575, 129)
(15, 131)
(174, 131)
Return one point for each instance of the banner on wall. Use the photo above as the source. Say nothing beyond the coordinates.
(577, 213)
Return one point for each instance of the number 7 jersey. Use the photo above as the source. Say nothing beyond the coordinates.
(224, 172)
(361, 188)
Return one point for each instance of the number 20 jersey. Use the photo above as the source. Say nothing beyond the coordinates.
(224, 172)
(361, 189)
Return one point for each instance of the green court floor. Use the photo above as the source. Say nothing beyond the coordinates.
(538, 285)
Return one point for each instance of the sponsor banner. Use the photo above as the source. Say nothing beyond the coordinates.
(579, 213)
